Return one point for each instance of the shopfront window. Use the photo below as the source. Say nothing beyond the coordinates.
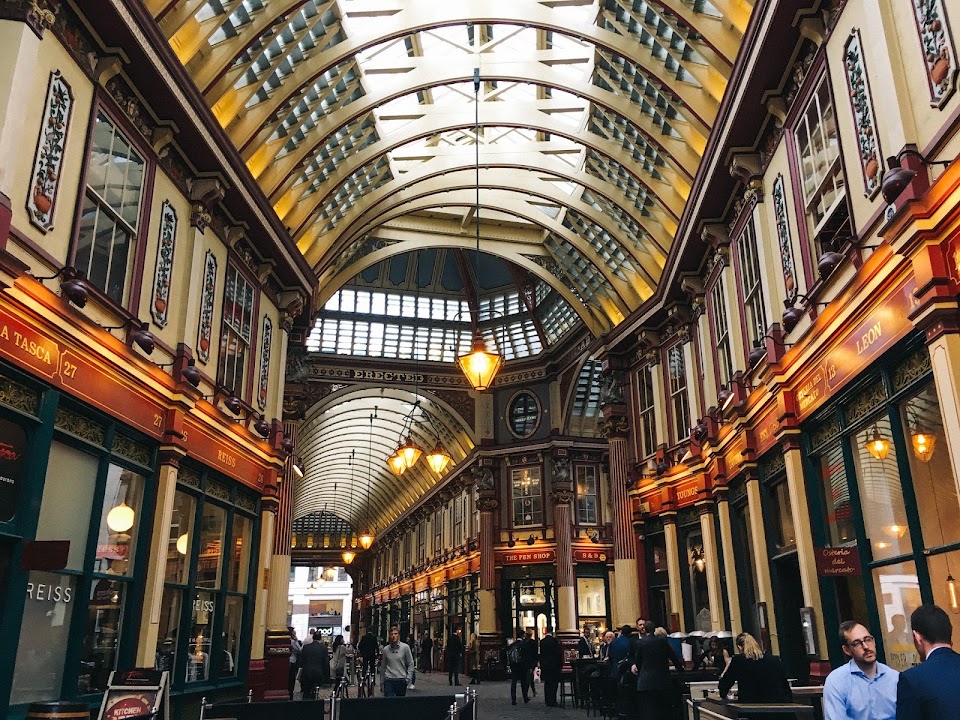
(697, 577)
(898, 595)
(210, 562)
(784, 534)
(591, 598)
(836, 495)
(94, 502)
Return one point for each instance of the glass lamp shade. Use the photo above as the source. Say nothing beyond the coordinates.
(410, 453)
(396, 463)
(923, 444)
(348, 556)
(480, 365)
(438, 459)
(876, 444)
(366, 540)
(121, 518)
(331, 573)
(952, 594)
(182, 543)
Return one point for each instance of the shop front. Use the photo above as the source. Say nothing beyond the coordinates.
(592, 593)
(463, 611)
(884, 500)
(528, 587)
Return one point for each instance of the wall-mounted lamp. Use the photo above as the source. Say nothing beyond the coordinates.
(73, 286)
(532, 539)
(191, 373)
(286, 444)
(262, 427)
(594, 536)
(298, 468)
(142, 337)
(791, 316)
(698, 558)
(759, 350)
(734, 392)
(511, 542)
(896, 178)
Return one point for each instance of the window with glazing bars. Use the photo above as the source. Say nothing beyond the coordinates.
(458, 519)
(752, 286)
(527, 497)
(586, 478)
(235, 336)
(721, 331)
(818, 153)
(110, 217)
(438, 532)
(648, 418)
(422, 541)
(678, 392)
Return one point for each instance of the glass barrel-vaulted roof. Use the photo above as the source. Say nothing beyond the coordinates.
(356, 118)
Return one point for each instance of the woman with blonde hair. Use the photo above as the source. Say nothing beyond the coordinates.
(760, 677)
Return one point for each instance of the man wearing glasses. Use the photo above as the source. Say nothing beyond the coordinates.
(863, 689)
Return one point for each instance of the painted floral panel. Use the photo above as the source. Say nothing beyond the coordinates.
(206, 306)
(266, 340)
(864, 119)
(161, 283)
(783, 238)
(48, 162)
(939, 55)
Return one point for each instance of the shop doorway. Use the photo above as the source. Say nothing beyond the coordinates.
(532, 604)
(788, 596)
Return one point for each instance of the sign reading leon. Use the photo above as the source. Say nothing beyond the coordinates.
(838, 561)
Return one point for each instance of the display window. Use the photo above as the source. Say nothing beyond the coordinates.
(210, 554)
(886, 487)
(95, 499)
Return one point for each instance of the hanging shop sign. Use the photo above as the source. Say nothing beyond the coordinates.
(858, 347)
(838, 561)
(589, 556)
(527, 557)
(70, 370)
(13, 444)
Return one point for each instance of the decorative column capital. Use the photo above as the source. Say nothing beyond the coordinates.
(613, 426)
(487, 504)
(204, 194)
(561, 496)
(38, 15)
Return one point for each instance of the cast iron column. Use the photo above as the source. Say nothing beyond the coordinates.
(562, 497)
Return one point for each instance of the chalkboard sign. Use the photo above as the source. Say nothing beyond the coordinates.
(136, 693)
(13, 445)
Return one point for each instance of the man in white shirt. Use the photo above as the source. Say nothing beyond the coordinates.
(862, 689)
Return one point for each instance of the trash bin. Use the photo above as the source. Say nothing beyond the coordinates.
(58, 710)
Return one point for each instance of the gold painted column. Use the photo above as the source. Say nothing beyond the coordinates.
(487, 504)
(614, 426)
(809, 580)
(562, 497)
(945, 361)
(674, 576)
(729, 563)
(712, 568)
(761, 562)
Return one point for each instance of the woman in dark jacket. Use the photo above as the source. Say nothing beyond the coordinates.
(760, 678)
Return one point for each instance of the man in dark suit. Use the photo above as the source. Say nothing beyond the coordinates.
(654, 684)
(551, 664)
(929, 690)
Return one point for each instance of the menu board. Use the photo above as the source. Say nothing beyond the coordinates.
(136, 693)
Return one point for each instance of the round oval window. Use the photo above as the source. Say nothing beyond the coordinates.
(524, 414)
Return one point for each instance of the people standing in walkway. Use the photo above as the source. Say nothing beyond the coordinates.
(928, 691)
(584, 648)
(454, 657)
(531, 650)
(367, 647)
(760, 678)
(396, 666)
(339, 660)
(650, 663)
(314, 668)
(619, 651)
(516, 659)
(412, 643)
(295, 647)
(551, 665)
(862, 689)
(426, 653)
(472, 659)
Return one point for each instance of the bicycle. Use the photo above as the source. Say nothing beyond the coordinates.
(342, 690)
(367, 686)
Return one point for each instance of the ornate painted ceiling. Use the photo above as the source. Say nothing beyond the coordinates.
(357, 118)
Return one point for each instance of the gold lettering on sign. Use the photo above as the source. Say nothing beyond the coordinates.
(869, 338)
(688, 492)
(226, 458)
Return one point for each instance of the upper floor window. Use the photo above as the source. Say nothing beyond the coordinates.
(751, 286)
(586, 479)
(236, 333)
(458, 519)
(527, 497)
(647, 408)
(679, 402)
(421, 541)
(438, 532)
(721, 332)
(111, 214)
(818, 155)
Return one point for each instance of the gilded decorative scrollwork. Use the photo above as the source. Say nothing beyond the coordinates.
(562, 497)
(561, 470)
(487, 504)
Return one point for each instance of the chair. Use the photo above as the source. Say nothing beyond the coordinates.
(566, 688)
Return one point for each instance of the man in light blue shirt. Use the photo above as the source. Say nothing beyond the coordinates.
(863, 689)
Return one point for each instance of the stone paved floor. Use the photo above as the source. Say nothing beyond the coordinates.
(493, 699)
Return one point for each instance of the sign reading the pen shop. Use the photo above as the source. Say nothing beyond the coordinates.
(13, 445)
(69, 370)
(837, 561)
(527, 557)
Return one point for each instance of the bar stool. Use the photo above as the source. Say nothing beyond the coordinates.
(566, 687)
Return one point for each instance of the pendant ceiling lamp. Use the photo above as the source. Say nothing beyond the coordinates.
(876, 444)
(479, 365)
(397, 464)
(410, 453)
(439, 458)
